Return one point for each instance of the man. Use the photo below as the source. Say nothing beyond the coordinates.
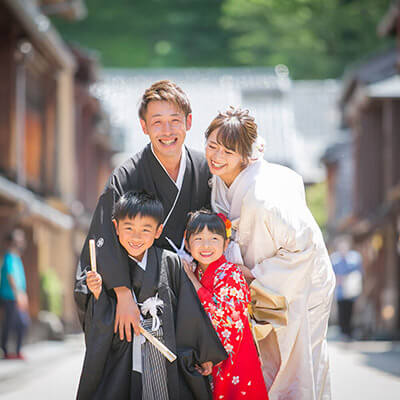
(176, 175)
(13, 294)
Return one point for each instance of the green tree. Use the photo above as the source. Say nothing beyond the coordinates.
(314, 38)
(316, 196)
(152, 33)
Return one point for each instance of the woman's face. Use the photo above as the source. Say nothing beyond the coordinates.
(225, 163)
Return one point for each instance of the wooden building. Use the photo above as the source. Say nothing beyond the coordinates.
(46, 113)
(371, 110)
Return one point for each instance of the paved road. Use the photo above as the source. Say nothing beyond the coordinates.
(359, 371)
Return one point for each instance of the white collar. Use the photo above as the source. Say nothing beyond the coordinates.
(142, 264)
(182, 167)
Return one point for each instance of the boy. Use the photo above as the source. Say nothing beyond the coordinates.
(178, 176)
(109, 371)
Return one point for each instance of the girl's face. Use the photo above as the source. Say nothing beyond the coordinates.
(206, 247)
(225, 163)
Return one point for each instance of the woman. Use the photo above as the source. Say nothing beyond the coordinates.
(283, 252)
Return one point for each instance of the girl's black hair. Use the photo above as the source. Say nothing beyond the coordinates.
(198, 220)
(144, 204)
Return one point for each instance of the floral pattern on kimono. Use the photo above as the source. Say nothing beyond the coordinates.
(225, 296)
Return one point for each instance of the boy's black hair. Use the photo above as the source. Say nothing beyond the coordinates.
(198, 220)
(144, 204)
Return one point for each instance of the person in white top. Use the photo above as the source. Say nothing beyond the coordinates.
(281, 248)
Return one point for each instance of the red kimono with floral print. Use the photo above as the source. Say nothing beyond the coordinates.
(225, 295)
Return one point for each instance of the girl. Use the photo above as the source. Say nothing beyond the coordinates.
(224, 295)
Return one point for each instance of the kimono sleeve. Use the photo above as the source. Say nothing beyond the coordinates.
(230, 296)
(196, 341)
(105, 372)
(226, 305)
(297, 238)
(112, 262)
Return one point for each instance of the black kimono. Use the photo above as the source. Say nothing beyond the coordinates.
(107, 370)
(144, 172)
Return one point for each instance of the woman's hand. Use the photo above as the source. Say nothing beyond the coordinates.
(248, 275)
(94, 283)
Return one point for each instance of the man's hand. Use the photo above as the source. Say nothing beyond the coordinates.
(127, 314)
(22, 301)
(248, 275)
(94, 283)
(205, 368)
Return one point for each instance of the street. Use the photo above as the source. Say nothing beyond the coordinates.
(359, 370)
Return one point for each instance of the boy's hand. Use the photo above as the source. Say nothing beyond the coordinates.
(94, 283)
(205, 368)
(127, 314)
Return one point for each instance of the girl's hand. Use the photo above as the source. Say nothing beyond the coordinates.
(94, 283)
(205, 368)
(188, 269)
(248, 275)
(191, 275)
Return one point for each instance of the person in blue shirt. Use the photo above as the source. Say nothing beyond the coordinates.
(13, 295)
(347, 264)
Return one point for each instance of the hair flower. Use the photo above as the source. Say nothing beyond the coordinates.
(228, 224)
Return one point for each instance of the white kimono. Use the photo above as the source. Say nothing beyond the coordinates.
(283, 246)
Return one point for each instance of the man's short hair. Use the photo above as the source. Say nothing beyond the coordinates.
(165, 90)
(143, 204)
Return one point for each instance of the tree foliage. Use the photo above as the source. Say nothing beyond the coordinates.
(152, 33)
(316, 196)
(314, 38)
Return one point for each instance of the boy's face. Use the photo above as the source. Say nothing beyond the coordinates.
(137, 234)
(166, 126)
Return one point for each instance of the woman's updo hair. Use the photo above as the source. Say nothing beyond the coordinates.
(237, 130)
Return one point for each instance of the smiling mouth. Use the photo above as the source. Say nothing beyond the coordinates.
(168, 142)
(135, 246)
(217, 165)
(206, 254)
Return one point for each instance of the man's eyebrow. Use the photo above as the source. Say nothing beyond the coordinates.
(160, 115)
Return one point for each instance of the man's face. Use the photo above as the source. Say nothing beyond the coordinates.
(166, 126)
(137, 234)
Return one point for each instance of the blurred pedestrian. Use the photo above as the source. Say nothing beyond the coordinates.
(13, 295)
(347, 264)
